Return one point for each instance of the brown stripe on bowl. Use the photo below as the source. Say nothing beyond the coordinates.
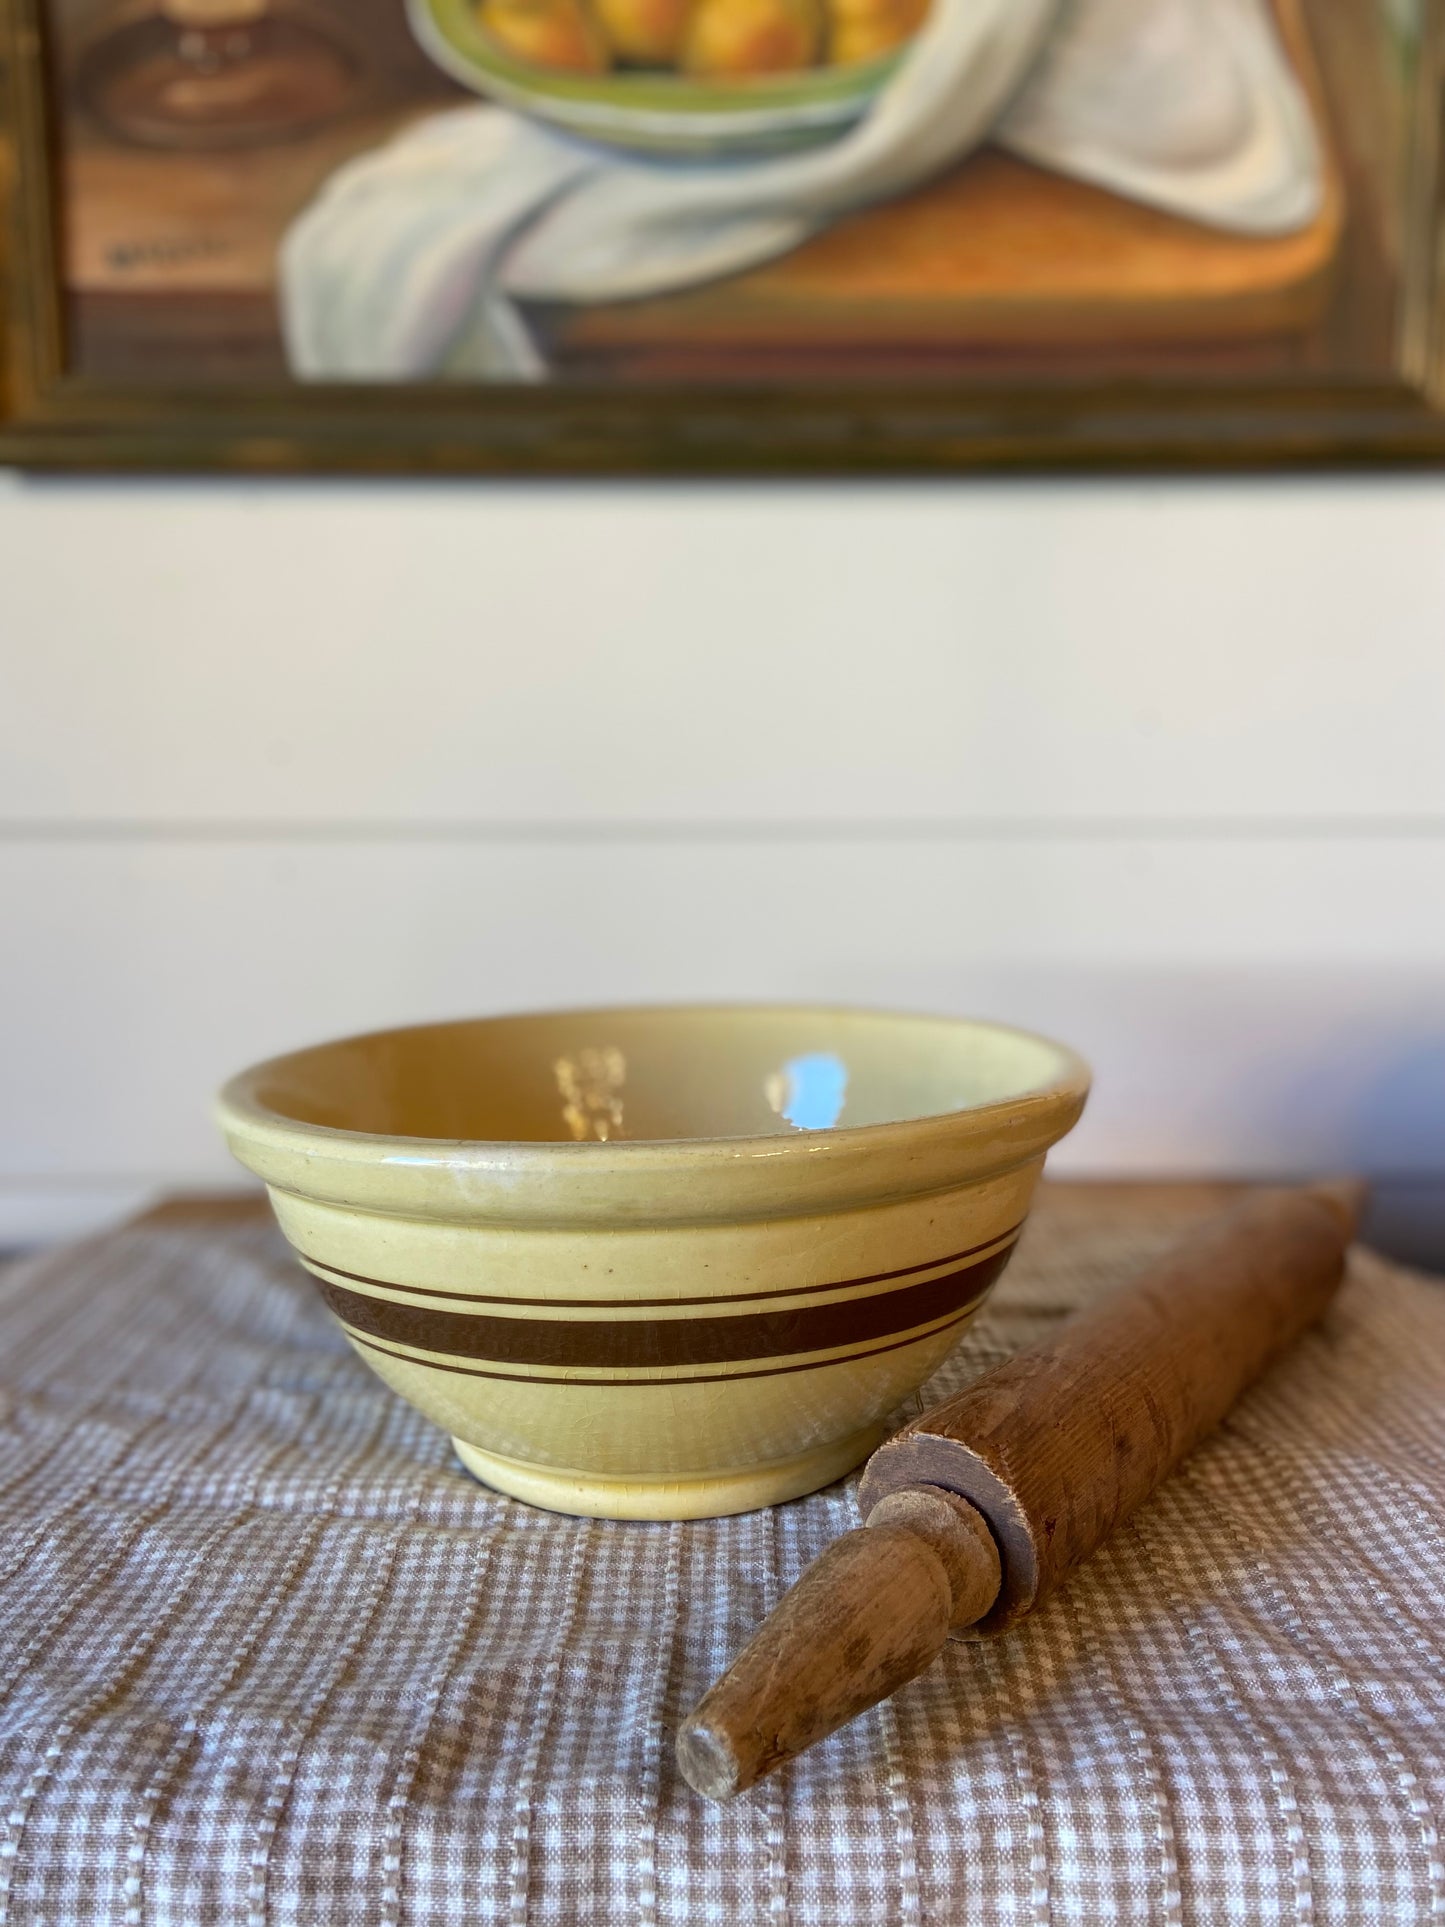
(659, 1375)
(630, 1343)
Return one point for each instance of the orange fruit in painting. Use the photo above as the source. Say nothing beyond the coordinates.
(740, 37)
(865, 29)
(647, 33)
(549, 33)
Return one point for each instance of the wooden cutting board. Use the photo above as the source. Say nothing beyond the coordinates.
(997, 252)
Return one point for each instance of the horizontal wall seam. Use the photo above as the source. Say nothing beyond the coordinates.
(1081, 829)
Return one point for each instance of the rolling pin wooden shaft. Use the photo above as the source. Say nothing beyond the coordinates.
(978, 1509)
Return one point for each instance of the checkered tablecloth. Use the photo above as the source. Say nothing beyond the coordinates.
(268, 1655)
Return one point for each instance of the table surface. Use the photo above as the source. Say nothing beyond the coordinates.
(268, 1655)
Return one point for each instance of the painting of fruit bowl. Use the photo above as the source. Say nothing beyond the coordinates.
(700, 77)
(720, 236)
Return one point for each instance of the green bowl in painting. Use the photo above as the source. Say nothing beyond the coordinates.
(651, 112)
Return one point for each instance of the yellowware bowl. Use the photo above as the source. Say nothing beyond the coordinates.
(658, 1263)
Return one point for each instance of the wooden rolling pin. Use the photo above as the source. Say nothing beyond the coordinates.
(977, 1510)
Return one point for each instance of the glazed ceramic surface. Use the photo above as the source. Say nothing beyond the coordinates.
(662, 1263)
(660, 113)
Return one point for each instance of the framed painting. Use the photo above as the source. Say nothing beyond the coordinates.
(721, 235)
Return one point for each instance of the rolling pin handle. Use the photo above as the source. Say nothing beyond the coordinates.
(864, 1619)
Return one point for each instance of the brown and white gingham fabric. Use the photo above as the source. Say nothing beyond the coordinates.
(268, 1655)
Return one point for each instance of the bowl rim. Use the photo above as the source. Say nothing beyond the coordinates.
(651, 1179)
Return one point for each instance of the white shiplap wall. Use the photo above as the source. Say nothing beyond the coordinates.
(1159, 766)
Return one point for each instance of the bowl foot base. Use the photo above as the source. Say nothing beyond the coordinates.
(710, 1497)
